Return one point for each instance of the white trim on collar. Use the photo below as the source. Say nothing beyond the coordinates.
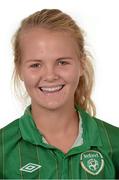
(79, 139)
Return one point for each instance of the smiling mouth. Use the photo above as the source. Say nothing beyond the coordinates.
(51, 89)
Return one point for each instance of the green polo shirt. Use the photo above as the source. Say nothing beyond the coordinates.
(25, 155)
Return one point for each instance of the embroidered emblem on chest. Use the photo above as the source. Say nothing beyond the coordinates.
(30, 167)
(92, 162)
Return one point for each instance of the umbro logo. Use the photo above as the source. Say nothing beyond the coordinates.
(30, 167)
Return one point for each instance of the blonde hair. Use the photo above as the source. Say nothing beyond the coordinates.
(56, 20)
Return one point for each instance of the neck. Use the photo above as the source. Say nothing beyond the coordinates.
(55, 121)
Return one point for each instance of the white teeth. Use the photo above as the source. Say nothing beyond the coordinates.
(53, 89)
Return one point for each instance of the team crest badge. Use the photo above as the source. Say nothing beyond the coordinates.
(92, 161)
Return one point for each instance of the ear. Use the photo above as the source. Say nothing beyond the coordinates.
(20, 73)
(21, 76)
(81, 69)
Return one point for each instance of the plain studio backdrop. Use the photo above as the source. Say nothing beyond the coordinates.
(99, 19)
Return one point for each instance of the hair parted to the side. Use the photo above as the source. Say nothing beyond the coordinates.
(56, 20)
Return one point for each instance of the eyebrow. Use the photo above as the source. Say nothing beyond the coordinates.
(70, 58)
(39, 60)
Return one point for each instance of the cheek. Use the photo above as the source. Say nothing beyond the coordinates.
(72, 77)
(29, 79)
(75, 80)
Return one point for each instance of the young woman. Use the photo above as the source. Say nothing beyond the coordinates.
(58, 136)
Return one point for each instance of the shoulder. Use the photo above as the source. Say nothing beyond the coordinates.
(110, 138)
(112, 132)
(11, 128)
(9, 138)
(107, 132)
(9, 133)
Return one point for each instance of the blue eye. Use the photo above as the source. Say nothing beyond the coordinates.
(36, 65)
(63, 63)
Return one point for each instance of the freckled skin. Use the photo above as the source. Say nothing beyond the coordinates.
(49, 59)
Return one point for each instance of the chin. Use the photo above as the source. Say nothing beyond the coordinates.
(51, 106)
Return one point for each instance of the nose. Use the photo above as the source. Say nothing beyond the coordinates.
(50, 74)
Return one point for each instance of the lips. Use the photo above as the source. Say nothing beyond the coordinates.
(52, 89)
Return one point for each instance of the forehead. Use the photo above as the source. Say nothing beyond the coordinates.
(43, 34)
(44, 41)
(40, 31)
